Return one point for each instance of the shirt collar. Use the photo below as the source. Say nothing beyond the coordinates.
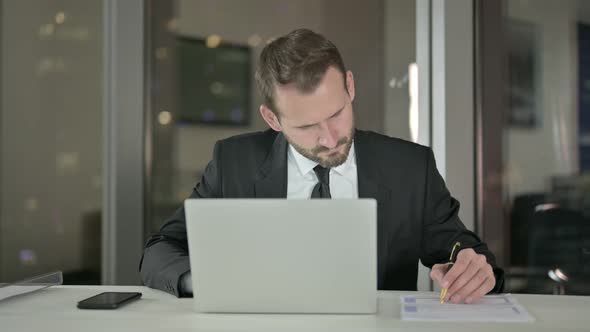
(305, 165)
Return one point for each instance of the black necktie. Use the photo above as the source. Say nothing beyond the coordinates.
(322, 188)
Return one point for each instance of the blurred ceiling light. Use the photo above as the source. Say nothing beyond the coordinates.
(31, 204)
(172, 25)
(60, 17)
(216, 88)
(413, 92)
(45, 65)
(51, 65)
(27, 257)
(254, 40)
(392, 82)
(213, 41)
(46, 30)
(165, 118)
(161, 53)
(67, 161)
(398, 83)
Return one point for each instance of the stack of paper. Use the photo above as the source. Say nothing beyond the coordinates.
(491, 308)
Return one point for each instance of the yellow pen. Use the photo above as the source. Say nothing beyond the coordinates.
(452, 258)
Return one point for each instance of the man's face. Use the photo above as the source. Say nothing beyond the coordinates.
(320, 124)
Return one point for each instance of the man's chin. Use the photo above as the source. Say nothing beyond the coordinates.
(333, 160)
(326, 158)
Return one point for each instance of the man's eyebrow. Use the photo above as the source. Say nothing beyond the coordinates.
(337, 112)
(331, 116)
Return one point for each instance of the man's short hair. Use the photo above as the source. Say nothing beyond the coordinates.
(301, 57)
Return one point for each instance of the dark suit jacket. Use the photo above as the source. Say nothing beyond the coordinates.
(417, 217)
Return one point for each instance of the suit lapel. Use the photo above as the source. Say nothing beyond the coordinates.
(272, 176)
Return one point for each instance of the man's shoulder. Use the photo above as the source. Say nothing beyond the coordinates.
(390, 155)
(380, 142)
(249, 142)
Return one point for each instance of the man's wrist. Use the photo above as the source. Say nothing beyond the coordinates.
(499, 275)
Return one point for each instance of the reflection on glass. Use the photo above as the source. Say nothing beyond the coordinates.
(50, 140)
(60, 17)
(547, 179)
(214, 81)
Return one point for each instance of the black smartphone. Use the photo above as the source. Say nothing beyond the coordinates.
(108, 300)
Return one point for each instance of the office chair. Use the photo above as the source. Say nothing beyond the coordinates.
(559, 244)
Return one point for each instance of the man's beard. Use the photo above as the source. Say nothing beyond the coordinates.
(329, 161)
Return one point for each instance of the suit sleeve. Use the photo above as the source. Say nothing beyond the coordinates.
(165, 257)
(442, 226)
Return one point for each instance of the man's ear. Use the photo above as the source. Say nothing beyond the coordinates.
(350, 84)
(270, 118)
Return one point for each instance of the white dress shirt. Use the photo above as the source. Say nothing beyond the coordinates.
(301, 178)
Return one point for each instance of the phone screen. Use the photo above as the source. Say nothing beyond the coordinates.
(108, 300)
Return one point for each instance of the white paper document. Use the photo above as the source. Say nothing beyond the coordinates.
(491, 308)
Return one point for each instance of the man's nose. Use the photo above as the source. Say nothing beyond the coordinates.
(327, 136)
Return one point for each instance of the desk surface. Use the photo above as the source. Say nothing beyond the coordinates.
(54, 309)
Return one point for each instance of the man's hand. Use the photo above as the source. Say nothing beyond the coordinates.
(470, 278)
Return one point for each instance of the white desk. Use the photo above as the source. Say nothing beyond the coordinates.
(54, 309)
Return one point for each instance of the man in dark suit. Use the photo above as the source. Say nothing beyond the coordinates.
(314, 151)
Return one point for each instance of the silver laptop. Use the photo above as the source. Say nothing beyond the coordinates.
(283, 256)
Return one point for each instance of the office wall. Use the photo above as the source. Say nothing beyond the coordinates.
(50, 136)
(534, 155)
(357, 28)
